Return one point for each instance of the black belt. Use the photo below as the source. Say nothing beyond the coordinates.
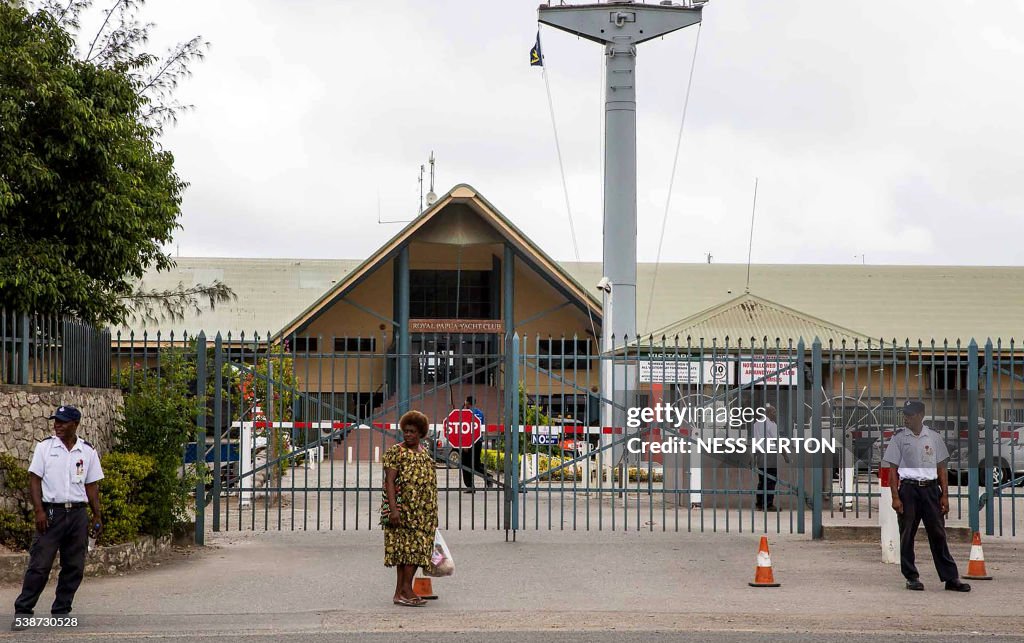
(919, 483)
(66, 505)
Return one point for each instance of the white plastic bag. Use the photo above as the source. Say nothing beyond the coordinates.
(441, 561)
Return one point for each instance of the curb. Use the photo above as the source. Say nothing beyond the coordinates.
(866, 534)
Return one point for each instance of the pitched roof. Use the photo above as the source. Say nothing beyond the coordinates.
(749, 318)
(460, 194)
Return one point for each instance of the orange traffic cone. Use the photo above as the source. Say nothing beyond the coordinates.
(763, 576)
(976, 565)
(423, 588)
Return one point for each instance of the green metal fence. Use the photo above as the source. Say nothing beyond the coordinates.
(290, 431)
(52, 349)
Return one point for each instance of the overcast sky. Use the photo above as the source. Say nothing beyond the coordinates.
(885, 129)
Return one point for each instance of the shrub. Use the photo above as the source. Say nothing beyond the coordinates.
(495, 461)
(16, 526)
(16, 530)
(126, 479)
(157, 421)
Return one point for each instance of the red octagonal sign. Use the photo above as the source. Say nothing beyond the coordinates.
(462, 428)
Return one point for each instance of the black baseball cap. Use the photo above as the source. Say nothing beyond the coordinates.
(66, 414)
(913, 407)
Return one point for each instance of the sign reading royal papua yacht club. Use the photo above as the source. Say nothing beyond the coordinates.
(456, 326)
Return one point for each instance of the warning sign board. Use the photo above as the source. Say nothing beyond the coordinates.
(672, 370)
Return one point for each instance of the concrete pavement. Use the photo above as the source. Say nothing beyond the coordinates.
(272, 584)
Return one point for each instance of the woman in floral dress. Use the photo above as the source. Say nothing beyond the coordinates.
(409, 506)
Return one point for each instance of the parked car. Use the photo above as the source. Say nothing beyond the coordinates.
(449, 455)
(1007, 455)
(442, 450)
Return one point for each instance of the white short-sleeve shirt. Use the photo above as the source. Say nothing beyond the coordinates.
(65, 473)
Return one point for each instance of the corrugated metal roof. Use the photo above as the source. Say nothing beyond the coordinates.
(751, 320)
(270, 292)
(882, 302)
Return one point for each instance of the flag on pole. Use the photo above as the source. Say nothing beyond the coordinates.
(536, 57)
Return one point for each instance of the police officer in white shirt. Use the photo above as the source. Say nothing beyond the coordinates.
(916, 456)
(63, 481)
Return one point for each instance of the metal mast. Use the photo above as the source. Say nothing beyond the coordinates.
(620, 27)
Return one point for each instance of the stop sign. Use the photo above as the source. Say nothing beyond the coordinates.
(462, 428)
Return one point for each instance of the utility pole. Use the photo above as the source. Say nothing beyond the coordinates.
(619, 27)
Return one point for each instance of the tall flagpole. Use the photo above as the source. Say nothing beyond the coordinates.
(619, 28)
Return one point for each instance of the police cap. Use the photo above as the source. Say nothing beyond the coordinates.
(913, 407)
(66, 414)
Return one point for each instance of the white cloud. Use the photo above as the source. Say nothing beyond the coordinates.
(876, 129)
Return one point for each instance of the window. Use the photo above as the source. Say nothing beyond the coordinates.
(949, 378)
(450, 294)
(355, 344)
(563, 354)
(306, 344)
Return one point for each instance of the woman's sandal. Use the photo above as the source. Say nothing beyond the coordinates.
(405, 602)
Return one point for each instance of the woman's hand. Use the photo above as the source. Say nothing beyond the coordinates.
(394, 518)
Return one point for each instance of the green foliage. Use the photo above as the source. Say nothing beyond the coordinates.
(16, 527)
(547, 465)
(123, 491)
(16, 530)
(531, 414)
(157, 421)
(87, 195)
(253, 385)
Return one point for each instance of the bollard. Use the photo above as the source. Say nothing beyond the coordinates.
(888, 522)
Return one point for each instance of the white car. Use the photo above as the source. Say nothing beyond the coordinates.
(1007, 455)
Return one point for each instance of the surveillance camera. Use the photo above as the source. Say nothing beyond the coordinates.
(604, 284)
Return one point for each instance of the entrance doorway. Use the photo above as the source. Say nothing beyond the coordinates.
(457, 357)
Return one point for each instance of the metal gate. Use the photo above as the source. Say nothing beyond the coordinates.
(292, 431)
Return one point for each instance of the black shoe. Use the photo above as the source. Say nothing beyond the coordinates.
(957, 586)
(469, 491)
(17, 626)
(771, 508)
(915, 585)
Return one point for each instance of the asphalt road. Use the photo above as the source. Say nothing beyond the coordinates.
(547, 586)
(527, 636)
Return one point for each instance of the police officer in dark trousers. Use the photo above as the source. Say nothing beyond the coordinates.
(63, 482)
(917, 466)
(471, 460)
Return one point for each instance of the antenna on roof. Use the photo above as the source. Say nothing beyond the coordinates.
(750, 247)
(431, 196)
(421, 189)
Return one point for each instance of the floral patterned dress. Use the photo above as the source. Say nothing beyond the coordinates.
(416, 492)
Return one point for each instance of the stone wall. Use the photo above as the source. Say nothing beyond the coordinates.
(101, 561)
(24, 409)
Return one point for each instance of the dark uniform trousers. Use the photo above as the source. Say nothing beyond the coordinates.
(471, 462)
(67, 532)
(922, 504)
(766, 479)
